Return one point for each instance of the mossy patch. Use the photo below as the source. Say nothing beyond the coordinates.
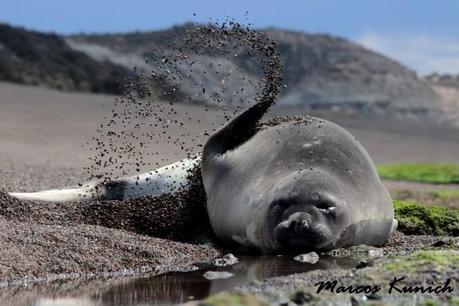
(230, 298)
(429, 197)
(414, 218)
(417, 172)
(424, 259)
(432, 302)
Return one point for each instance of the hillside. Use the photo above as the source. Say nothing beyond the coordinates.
(447, 88)
(327, 70)
(33, 58)
(321, 72)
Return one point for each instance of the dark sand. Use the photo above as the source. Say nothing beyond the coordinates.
(50, 241)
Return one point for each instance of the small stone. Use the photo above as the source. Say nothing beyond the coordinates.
(227, 260)
(211, 275)
(374, 297)
(376, 252)
(191, 268)
(311, 258)
(301, 298)
(439, 243)
(354, 301)
(364, 264)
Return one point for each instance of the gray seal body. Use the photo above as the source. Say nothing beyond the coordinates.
(301, 184)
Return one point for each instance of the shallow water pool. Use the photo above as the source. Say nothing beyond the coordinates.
(178, 287)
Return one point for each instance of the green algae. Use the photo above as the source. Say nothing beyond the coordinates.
(418, 172)
(414, 218)
(425, 259)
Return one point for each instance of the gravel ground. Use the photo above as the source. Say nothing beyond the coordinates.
(42, 241)
(40, 252)
(370, 272)
(281, 289)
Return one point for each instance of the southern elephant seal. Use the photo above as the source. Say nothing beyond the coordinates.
(293, 184)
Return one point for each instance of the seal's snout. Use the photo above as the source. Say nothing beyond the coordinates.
(301, 230)
(296, 225)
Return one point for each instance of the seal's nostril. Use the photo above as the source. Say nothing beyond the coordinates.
(298, 222)
(305, 224)
(297, 226)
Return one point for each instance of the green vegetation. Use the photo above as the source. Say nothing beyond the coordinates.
(414, 218)
(444, 194)
(229, 298)
(434, 259)
(427, 173)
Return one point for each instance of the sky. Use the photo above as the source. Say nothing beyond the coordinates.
(421, 34)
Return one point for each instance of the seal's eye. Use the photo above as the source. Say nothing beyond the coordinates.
(276, 212)
(326, 207)
(277, 208)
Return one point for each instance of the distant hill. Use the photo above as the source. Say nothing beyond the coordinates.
(326, 70)
(447, 88)
(320, 71)
(445, 80)
(33, 58)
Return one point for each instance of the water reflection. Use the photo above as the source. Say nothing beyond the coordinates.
(178, 287)
(65, 302)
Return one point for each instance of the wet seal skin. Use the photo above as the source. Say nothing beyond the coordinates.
(292, 183)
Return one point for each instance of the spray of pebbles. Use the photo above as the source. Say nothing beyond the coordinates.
(125, 142)
(138, 123)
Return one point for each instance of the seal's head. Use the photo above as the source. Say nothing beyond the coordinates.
(306, 213)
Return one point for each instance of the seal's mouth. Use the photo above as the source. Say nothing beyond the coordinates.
(300, 232)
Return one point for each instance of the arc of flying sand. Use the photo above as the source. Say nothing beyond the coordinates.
(244, 126)
(172, 177)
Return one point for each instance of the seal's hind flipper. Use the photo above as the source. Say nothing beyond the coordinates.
(77, 194)
(166, 179)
